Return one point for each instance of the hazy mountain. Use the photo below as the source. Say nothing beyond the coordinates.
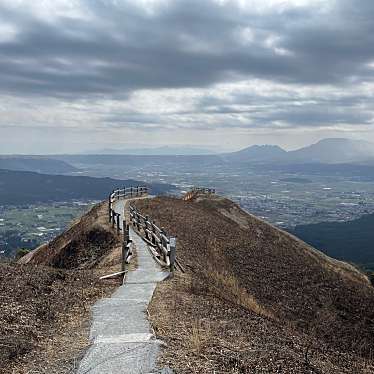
(36, 164)
(334, 150)
(23, 187)
(327, 151)
(258, 153)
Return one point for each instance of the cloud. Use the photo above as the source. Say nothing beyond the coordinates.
(183, 64)
(109, 47)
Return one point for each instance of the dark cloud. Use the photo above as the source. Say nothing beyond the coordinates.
(184, 43)
(280, 67)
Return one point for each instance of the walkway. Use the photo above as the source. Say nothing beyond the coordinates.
(122, 338)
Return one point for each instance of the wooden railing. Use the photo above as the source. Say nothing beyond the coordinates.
(124, 193)
(196, 191)
(115, 218)
(162, 246)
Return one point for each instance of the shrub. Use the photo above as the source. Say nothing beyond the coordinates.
(22, 252)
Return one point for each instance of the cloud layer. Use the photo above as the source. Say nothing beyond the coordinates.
(118, 67)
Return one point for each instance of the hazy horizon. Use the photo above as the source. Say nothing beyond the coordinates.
(184, 147)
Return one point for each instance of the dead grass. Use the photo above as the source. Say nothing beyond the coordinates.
(44, 315)
(227, 285)
(45, 312)
(199, 337)
(274, 303)
(205, 333)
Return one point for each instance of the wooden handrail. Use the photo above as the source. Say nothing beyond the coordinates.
(163, 246)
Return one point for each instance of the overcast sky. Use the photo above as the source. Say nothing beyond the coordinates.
(92, 74)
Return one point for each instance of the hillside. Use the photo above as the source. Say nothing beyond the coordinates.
(44, 307)
(258, 153)
(256, 299)
(349, 241)
(80, 246)
(19, 187)
(251, 299)
(334, 150)
(37, 164)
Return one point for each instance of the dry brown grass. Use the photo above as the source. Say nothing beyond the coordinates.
(44, 316)
(227, 286)
(274, 303)
(199, 336)
(45, 312)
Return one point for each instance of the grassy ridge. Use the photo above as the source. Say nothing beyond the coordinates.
(256, 299)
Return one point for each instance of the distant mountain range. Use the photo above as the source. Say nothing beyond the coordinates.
(331, 150)
(22, 187)
(39, 164)
(326, 151)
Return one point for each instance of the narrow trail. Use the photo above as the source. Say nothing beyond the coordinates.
(121, 335)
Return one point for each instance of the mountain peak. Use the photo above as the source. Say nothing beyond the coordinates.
(259, 153)
(335, 150)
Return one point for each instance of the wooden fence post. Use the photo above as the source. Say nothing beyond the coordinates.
(113, 218)
(146, 227)
(153, 232)
(125, 244)
(173, 252)
(110, 207)
(139, 223)
(118, 223)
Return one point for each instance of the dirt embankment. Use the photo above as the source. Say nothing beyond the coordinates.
(254, 299)
(46, 298)
(81, 246)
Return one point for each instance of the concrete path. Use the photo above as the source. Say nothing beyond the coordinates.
(122, 338)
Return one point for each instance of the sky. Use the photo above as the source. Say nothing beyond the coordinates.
(80, 75)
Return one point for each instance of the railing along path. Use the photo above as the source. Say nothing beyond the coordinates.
(162, 246)
(196, 191)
